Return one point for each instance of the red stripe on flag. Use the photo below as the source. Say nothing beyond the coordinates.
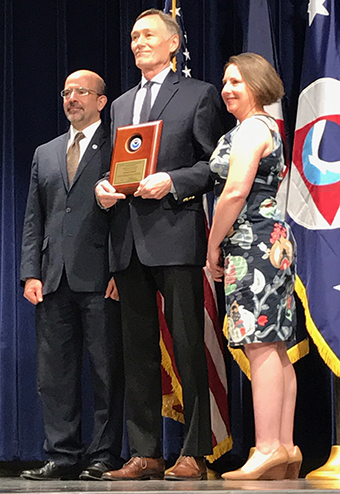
(210, 305)
(218, 390)
(167, 338)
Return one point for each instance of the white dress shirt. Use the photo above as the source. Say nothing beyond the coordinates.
(157, 82)
(88, 133)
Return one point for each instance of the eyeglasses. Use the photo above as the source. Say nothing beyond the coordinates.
(81, 91)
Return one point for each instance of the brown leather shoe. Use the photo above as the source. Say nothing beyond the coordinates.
(138, 468)
(187, 468)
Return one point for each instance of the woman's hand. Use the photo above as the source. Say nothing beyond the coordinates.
(112, 290)
(214, 257)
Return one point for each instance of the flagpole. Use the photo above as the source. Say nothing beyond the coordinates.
(331, 469)
(174, 6)
(173, 13)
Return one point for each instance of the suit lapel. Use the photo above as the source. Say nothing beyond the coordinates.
(93, 148)
(169, 87)
(61, 157)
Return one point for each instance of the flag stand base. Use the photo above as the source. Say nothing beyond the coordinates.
(330, 470)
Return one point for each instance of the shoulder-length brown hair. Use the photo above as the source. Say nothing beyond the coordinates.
(260, 76)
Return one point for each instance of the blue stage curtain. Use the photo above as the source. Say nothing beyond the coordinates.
(40, 44)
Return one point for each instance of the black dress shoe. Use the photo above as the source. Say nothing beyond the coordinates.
(51, 471)
(94, 471)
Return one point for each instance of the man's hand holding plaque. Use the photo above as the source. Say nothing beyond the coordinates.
(106, 194)
(134, 157)
(154, 186)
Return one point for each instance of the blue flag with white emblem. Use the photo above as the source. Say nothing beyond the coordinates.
(314, 182)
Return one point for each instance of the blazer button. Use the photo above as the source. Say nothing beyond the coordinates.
(68, 210)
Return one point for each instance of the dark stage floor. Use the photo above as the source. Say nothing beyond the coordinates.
(10, 485)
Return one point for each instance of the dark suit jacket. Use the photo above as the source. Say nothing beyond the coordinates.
(169, 232)
(64, 225)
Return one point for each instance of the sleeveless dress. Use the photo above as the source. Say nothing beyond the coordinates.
(259, 251)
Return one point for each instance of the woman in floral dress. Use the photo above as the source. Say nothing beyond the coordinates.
(258, 252)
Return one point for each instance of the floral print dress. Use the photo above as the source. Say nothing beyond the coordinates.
(259, 252)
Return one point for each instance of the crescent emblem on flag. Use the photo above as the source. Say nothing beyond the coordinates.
(316, 156)
(326, 172)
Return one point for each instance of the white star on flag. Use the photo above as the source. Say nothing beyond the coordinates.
(316, 7)
(182, 63)
(186, 54)
(186, 71)
(178, 13)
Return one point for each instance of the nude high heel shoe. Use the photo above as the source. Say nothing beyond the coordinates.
(294, 463)
(273, 468)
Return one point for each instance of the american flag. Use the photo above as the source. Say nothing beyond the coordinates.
(183, 55)
(172, 390)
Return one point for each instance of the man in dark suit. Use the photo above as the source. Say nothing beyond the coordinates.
(159, 243)
(65, 272)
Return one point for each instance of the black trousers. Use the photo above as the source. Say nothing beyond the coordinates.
(182, 288)
(66, 322)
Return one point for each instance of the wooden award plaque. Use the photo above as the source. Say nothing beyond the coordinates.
(134, 155)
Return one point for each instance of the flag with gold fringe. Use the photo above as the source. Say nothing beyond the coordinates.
(172, 390)
(171, 382)
(314, 182)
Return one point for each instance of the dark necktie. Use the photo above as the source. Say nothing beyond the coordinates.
(146, 107)
(73, 154)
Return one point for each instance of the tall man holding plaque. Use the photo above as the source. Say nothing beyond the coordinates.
(158, 242)
(65, 271)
